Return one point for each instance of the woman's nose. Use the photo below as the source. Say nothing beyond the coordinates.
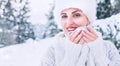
(70, 21)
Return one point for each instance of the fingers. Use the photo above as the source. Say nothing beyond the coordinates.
(81, 41)
(93, 35)
(83, 36)
(89, 35)
(91, 30)
(78, 38)
(75, 34)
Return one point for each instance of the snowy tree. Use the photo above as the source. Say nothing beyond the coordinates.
(110, 30)
(50, 29)
(6, 22)
(51, 26)
(13, 22)
(104, 9)
(39, 31)
(116, 6)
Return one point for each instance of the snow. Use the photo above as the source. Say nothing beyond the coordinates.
(26, 54)
(0, 30)
(30, 52)
(39, 10)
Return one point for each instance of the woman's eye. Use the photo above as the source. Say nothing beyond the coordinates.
(76, 15)
(63, 16)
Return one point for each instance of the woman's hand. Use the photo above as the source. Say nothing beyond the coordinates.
(83, 36)
(89, 35)
(75, 36)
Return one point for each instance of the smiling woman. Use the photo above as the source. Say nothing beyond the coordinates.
(79, 44)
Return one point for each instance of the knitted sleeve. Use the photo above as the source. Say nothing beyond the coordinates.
(98, 51)
(48, 59)
(113, 55)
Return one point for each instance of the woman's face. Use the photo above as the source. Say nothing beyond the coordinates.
(73, 18)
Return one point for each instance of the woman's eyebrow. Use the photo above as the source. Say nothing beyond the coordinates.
(62, 13)
(72, 12)
(76, 11)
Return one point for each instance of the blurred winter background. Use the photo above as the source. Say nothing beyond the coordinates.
(26, 22)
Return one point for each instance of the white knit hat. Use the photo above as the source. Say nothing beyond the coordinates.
(87, 6)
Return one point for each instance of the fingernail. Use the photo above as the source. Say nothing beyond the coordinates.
(82, 32)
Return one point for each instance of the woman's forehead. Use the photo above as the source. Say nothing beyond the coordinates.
(72, 9)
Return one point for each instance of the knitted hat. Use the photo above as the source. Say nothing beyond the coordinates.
(88, 7)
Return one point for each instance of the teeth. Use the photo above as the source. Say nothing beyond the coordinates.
(71, 29)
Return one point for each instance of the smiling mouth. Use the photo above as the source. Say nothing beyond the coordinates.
(71, 29)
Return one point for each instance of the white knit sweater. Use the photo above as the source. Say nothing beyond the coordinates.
(65, 53)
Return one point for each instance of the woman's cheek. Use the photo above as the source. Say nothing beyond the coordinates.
(81, 21)
(63, 26)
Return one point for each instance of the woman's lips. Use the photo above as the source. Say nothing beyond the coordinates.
(71, 29)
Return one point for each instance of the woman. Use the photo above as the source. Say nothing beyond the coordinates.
(79, 44)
